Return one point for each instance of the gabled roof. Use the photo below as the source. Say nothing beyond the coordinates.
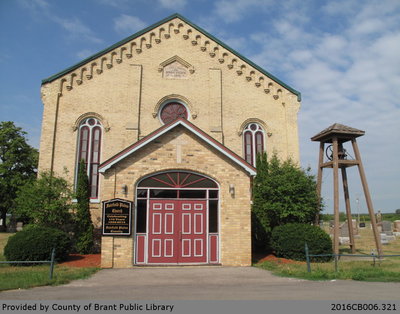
(147, 29)
(167, 127)
(339, 130)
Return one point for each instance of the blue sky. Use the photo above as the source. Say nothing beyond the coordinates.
(343, 56)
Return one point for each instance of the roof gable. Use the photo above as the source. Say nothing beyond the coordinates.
(164, 129)
(117, 50)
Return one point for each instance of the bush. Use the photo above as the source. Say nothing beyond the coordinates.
(282, 193)
(35, 243)
(288, 241)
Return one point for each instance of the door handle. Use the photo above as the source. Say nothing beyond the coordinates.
(180, 235)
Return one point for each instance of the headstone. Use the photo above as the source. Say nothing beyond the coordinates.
(384, 239)
(344, 240)
(362, 224)
(390, 238)
(20, 226)
(344, 228)
(321, 223)
(397, 225)
(386, 226)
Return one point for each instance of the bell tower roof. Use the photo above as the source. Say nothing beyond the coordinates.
(343, 132)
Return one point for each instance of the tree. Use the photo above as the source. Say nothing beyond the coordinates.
(18, 163)
(282, 193)
(83, 224)
(46, 202)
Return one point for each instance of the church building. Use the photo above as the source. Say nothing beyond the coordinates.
(168, 122)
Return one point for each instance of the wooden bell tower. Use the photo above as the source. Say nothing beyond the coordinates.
(336, 157)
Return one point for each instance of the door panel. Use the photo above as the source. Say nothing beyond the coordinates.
(177, 231)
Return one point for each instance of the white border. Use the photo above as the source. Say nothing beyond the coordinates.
(165, 223)
(153, 224)
(195, 247)
(201, 224)
(165, 248)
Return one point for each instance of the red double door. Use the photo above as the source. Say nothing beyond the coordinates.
(177, 231)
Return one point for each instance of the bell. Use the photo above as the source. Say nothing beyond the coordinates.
(341, 152)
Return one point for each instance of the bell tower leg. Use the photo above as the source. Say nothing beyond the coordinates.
(348, 209)
(367, 197)
(319, 179)
(336, 196)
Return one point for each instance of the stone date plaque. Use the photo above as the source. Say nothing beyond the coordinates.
(175, 70)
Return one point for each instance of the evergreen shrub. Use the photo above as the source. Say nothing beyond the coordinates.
(289, 240)
(83, 222)
(35, 243)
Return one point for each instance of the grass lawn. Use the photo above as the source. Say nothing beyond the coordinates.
(355, 268)
(22, 277)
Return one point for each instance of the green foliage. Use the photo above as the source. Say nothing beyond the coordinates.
(397, 211)
(289, 240)
(83, 221)
(46, 202)
(18, 163)
(390, 216)
(282, 193)
(35, 243)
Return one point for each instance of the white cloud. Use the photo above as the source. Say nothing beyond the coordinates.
(83, 54)
(75, 28)
(34, 5)
(350, 77)
(172, 4)
(234, 10)
(127, 24)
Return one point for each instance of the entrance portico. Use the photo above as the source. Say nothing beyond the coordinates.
(189, 210)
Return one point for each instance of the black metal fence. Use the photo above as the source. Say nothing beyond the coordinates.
(337, 257)
(51, 262)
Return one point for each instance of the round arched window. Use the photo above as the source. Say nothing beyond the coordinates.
(173, 111)
(253, 138)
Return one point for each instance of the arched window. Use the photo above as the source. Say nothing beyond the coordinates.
(173, 110)
(89, 148)
(253, 141)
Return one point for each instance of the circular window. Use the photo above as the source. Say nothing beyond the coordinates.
(173, 111)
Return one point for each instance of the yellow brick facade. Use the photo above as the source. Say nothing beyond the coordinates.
(124, 88)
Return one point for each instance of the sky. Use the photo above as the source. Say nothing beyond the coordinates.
(343, 56)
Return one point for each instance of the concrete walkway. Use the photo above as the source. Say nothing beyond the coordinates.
(204, 283)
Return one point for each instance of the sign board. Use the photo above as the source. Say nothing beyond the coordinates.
(117, 217)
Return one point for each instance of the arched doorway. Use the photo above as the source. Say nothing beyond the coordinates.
(177, 219)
